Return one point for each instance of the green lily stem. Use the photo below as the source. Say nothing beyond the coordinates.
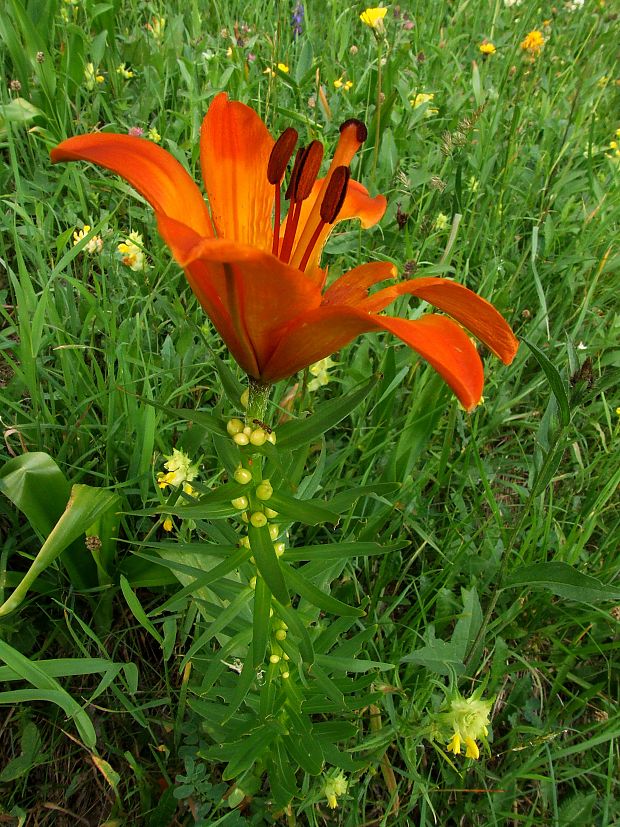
(258, 399)
(375, 156)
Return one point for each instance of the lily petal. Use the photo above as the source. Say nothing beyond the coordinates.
(250, 284)
(469, 309)
(234, 152)
(439, 340)
(152, 171)
(352, 287)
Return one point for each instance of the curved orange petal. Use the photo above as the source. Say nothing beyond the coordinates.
(234, 152)
(259, 293)
(439, 340)
(152, 171)
(472, 311)
(352, 287)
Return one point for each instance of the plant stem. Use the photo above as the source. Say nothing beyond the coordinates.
(375, 156)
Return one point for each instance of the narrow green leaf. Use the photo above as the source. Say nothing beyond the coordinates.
(138, 612)
(558, 387)
(333, 663)
(315, 596)
(339, 551)
(296, 625)
(267, 563)
(261, 622)
(565, 581)
(308, 512)
(301, 431)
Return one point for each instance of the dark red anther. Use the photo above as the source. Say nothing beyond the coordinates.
(362, 132)
(281, 155)
(335, 194)
(309, 170)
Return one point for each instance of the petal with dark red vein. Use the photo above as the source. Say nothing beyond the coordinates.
(261, 294)
(235, 146)
(439, 340)
(152, 171)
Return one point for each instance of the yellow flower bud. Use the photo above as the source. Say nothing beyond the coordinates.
(274, 530)
(245, 542)
(258, 519)
(244, 516)
(272, 437)
(167, 524)
(245, 398)
(234, 426)
(285, 675)
(242, 476)
(279, 549)
(241, 439)
(280, 634)
(270, 513)
(247, 431)
(240, 502)
(252, 583)
(274, 658)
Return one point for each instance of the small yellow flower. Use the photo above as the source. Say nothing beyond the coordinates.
(533, 43)
(153, 135)
(283, 68)
(131, 251)
(124, 71)
(441, 222)
(320, 372)
(167, 524)
(618, 411)
(374, 19)
(95, 245)
(91, 77)
(335, 786)
(343, 84)
(420, 99)
(180, 471)
(487, 48)
(269, 71)
(468, 719)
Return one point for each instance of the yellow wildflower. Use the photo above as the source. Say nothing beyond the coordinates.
(468, 718)
(95, 245)
(374, 19)
(420, 99)
(179, 471)
(441, 222)
(335, 786)
(487, 48)
(131, 251)
(124, 71)
(343, 84)
(153, 135)
(320, 372)
(533, 43)
(283, 68)
(91, 76)
(167, 524)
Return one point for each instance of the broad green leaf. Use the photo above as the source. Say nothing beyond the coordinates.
(468, 624)
(565, 581)
(36, 485)
(301, 431)
(438, 656)
(85, 505)
(314, 595)
(267, 563)
(308, 512)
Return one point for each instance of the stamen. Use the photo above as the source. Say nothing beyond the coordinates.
(330, 207)
(305, 171)
(362, 131)
(276, 167)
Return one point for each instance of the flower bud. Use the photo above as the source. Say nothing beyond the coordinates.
(241, 503)
(270, 513)
(258, 437)
(274, 530)
(242, 476)
(252, 582)
(241, 439)
(247, 431)
(272, 437)
(258, 519)
(264, 490)
(274, 658)
(245, 398)
(234, 426)
(280, 548)
(280, 634)
(245, 542)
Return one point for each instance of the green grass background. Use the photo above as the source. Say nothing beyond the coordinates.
(520, 150)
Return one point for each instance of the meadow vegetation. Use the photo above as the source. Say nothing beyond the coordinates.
(449, 557)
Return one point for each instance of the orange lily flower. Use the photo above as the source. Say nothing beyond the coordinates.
(259, 279)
